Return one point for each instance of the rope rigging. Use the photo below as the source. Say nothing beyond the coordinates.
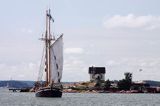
(42, 66)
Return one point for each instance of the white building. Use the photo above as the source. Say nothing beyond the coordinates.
(97, 73)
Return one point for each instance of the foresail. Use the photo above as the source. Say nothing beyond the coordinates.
(57, 59)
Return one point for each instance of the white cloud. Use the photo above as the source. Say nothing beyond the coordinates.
(132, 21)
(74, 50)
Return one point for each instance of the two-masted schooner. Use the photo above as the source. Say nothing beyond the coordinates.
(53, 63)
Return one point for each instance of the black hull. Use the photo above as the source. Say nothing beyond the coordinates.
(52, 92)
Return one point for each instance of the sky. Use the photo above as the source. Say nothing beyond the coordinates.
(121, 35)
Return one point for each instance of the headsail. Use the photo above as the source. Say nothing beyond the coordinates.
(56, 57)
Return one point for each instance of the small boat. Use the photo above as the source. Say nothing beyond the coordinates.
(51, 64)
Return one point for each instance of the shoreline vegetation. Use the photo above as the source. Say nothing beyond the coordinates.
(98, 85)
(89, 87)
(125, 85)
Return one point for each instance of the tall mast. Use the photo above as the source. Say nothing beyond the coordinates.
(48, 38)
(49, 44)
(46, 44)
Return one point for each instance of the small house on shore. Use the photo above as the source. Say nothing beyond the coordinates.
(97, 73)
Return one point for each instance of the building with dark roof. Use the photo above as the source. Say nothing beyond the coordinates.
(97, 73)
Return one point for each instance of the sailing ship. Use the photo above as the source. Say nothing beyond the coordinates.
(52, 62)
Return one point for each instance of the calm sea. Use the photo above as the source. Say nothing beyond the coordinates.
(77, 99)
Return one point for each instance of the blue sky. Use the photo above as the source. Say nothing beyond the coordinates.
(122, 35)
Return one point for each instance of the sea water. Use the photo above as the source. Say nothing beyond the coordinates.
(79, 99)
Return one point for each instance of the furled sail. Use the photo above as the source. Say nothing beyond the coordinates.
(56, 59)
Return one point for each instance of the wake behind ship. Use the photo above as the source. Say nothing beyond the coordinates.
(51, 64)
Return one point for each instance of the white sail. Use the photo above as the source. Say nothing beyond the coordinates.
(57, 60)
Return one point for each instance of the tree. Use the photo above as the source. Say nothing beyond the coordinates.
(128, 76)
(99, 84)
(126, 83)
(107, 84)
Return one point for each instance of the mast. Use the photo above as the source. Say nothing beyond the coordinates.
(46, 44)
(49, 44)
(48, 38)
